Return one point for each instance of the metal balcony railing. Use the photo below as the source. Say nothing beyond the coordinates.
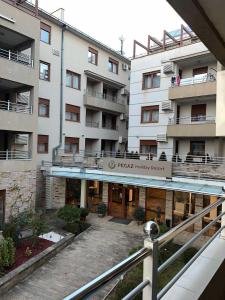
(115, 99)
(149, 256)
(17, 57)
(92, 124)
(16, 107)
(194, 80)
(16, 154)
(201, 119)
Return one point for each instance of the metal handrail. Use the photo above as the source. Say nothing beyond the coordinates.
(192, 119)
(92, 124)
(15, 107)
(106, 97)
(109, 275)
(17, 57)
(15, 154)
(195, 80)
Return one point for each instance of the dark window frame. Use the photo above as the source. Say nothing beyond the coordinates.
(95, 52)
(46, 143)
(113, 62)
(45, 102)
(150, 143)
(46, 28)
(151, 74)
(73, 141)
(49, 70)
(69, 108)
(71, 83)
(197, 142)
(151, 109)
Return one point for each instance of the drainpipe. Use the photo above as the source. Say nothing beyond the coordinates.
(54, 150)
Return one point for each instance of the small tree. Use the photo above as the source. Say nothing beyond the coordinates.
(163, 156)
(70, 214)
(139, 214)
(38, 227)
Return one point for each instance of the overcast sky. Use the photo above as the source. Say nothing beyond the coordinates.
(106, 20)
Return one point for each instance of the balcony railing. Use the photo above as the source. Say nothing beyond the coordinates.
(115, 99)
(16, 154)
(16, 107)
(194, 80)
(110, 127)
(17, 57)
(92, 124)
(201, 119)
(149, 256)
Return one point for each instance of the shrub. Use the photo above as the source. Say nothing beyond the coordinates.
(7, 253)
(101, 209)
(11, 230)
(139, 214)
(84, 212)
(70, 214)
(76, 227)
(163, 156)
(38, 227)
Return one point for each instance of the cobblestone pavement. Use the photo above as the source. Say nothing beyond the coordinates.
(93, 252)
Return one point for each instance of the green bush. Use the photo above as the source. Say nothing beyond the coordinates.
(102, 209)
(38, 227)
(139, 214)
(76, 227)
(84, 212)
(7, 253)
(70, 214)
(11, 230)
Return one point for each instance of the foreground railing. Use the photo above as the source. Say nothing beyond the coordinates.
(17, 57)
(16, 107)
(149, 256)
(16, 154)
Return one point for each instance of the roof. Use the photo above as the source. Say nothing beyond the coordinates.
(196, 188)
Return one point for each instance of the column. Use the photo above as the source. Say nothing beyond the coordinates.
(83, 190)
(169, 207)
(198, 208)
(105, 193)
(142, 193)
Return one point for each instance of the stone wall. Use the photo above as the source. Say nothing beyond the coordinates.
(20, 190)
(58, 192)
(142, 196)
(41, 187)
(105, 193)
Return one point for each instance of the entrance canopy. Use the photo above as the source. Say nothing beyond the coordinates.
(196, 188)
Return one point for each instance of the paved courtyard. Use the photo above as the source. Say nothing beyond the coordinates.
(93, 252)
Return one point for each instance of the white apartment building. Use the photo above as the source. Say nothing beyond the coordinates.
(175, 117)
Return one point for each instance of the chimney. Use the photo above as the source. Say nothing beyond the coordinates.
(59, 13)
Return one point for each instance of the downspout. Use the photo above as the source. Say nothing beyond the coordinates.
(54, 150)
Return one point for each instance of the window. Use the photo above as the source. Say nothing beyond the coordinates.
(45, 33)
(198, 112)
(151, 80)
(72, 113)
(43, 108)
(150, 114)
(200, 71)
(197, 148)
(92, 56)
(71, 145)
(72, 80)
(44, 71)
(113, 66)
(148, 146)
(42, 146)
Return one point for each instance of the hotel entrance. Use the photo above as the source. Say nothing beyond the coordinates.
(122, 200)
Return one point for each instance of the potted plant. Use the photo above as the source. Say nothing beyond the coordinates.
(101, 209)
(83, 213)
(139, 215)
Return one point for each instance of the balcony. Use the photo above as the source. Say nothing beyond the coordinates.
(197, 86)
(105, 102)
(202, 126)
(92, 124)
(17, 57)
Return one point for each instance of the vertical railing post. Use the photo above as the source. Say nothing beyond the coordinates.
(7, 154)
(150, 270)
(9, 55)
(223, 221)
(8, 105)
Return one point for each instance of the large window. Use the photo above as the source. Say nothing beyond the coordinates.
(151, 80)
(71, 145)
(148, 147)
(150, 114)
(44, 71)
(72, 113)
(113, 66)
(43, 107)
(45, 33)
(42, 146)
(197, 148)
(73, 80)
(198, 112)
(92, 56)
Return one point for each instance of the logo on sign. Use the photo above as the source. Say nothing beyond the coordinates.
(112, 164)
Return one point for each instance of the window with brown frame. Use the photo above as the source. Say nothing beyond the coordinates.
(45, 35)
(92, 56)
(198, 112)
(71, 145)
(199, 71)
(72, 113)
(197, 148)
(43, 107)
(44, 71)
(113, 65)
(42, 145)
(73, 80)
(150, 114)
(148, 147)
(151, 80)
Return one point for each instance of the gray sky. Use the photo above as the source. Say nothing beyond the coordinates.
(107, 20)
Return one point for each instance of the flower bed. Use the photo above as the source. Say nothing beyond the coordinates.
(22, 254)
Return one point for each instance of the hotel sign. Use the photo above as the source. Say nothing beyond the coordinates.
(138, 167)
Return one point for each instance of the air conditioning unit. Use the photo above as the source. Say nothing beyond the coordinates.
(167, 105)
(125, 67)
(123, 117)
(122, 140)
(161, 138)
(168, 68)
(124, 91)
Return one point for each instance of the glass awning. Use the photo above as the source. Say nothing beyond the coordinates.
(174, 185)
